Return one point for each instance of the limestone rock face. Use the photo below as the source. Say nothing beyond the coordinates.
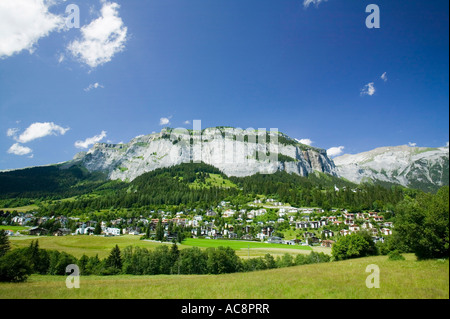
(417, 167)
(235, 152)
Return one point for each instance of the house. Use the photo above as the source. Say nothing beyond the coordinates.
(211, 213)
(332, 219)
(9, 232)
(275, 240)
(327, 243)
(38, 231)
(388, 224)
(232, 235)
(349, 216)
(301, 225)
(247, 237)
(386, 231)
(378, 218)
(62, 232)
(344, 232)
(314, 224)
(110, 231)
(349, 222)
(367, 225)
(312, 240)
(84, 230)
(308, 234)
(228, 213)
(372, 214)
(328, 233)
(353, 228)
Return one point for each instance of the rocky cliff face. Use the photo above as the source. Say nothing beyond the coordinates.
(233, 151)
(418, 167)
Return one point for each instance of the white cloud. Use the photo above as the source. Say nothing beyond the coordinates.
(446, 144)
(305, 141)
(102, 38)
(90, 140)
(306, 3)
(23, 23)
(384, 77)
(38, 130)
(12, 132)
(412, 144)
(187, 122)
(20, 150)
(335, 151)
(369, 89)
(164, 120)
(61, 58)
(93, 86)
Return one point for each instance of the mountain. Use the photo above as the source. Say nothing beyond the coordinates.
(415, 167)
(233, 151)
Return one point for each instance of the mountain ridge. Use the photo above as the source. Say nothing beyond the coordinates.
(416, 167)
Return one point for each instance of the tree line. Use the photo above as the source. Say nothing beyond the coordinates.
(16, 265)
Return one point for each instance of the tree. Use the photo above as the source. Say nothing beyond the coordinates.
(422, 224)
(159, 231)
(15, 267)
(98, 228)
(113, 263)
(5, 245)
(351, 246)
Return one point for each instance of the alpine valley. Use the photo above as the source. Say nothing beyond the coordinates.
(218, 163)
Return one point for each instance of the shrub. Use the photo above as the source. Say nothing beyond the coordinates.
(15, 267)
(395, 255)
(351, 246)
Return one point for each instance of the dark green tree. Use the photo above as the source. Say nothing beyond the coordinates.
(15, 267)
(159, 230)
(351, 246)
(5, 245)
(422, 224)
(113, 263)
(98, 228)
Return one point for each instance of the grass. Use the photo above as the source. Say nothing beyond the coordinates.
(14, 228)
(237, 244)
(93, 245)
(214, 180)
(408, 279)
(79, 245)
(22, 209)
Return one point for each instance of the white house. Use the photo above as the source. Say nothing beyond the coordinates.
(111, 231)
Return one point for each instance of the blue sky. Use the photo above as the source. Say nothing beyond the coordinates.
(312, 70)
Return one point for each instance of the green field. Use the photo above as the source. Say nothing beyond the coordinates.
(237, 244)
(93, 245)
(341, 280)
(14, 228)
(22, 209)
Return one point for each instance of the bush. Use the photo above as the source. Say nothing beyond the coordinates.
(352, 246)
(395, 255)
(15, 267)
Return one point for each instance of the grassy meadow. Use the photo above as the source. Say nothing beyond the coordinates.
(408, 279)
(93, 245)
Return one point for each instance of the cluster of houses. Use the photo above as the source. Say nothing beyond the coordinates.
(225, 222)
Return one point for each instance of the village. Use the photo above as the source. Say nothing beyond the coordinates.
(267, 221)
